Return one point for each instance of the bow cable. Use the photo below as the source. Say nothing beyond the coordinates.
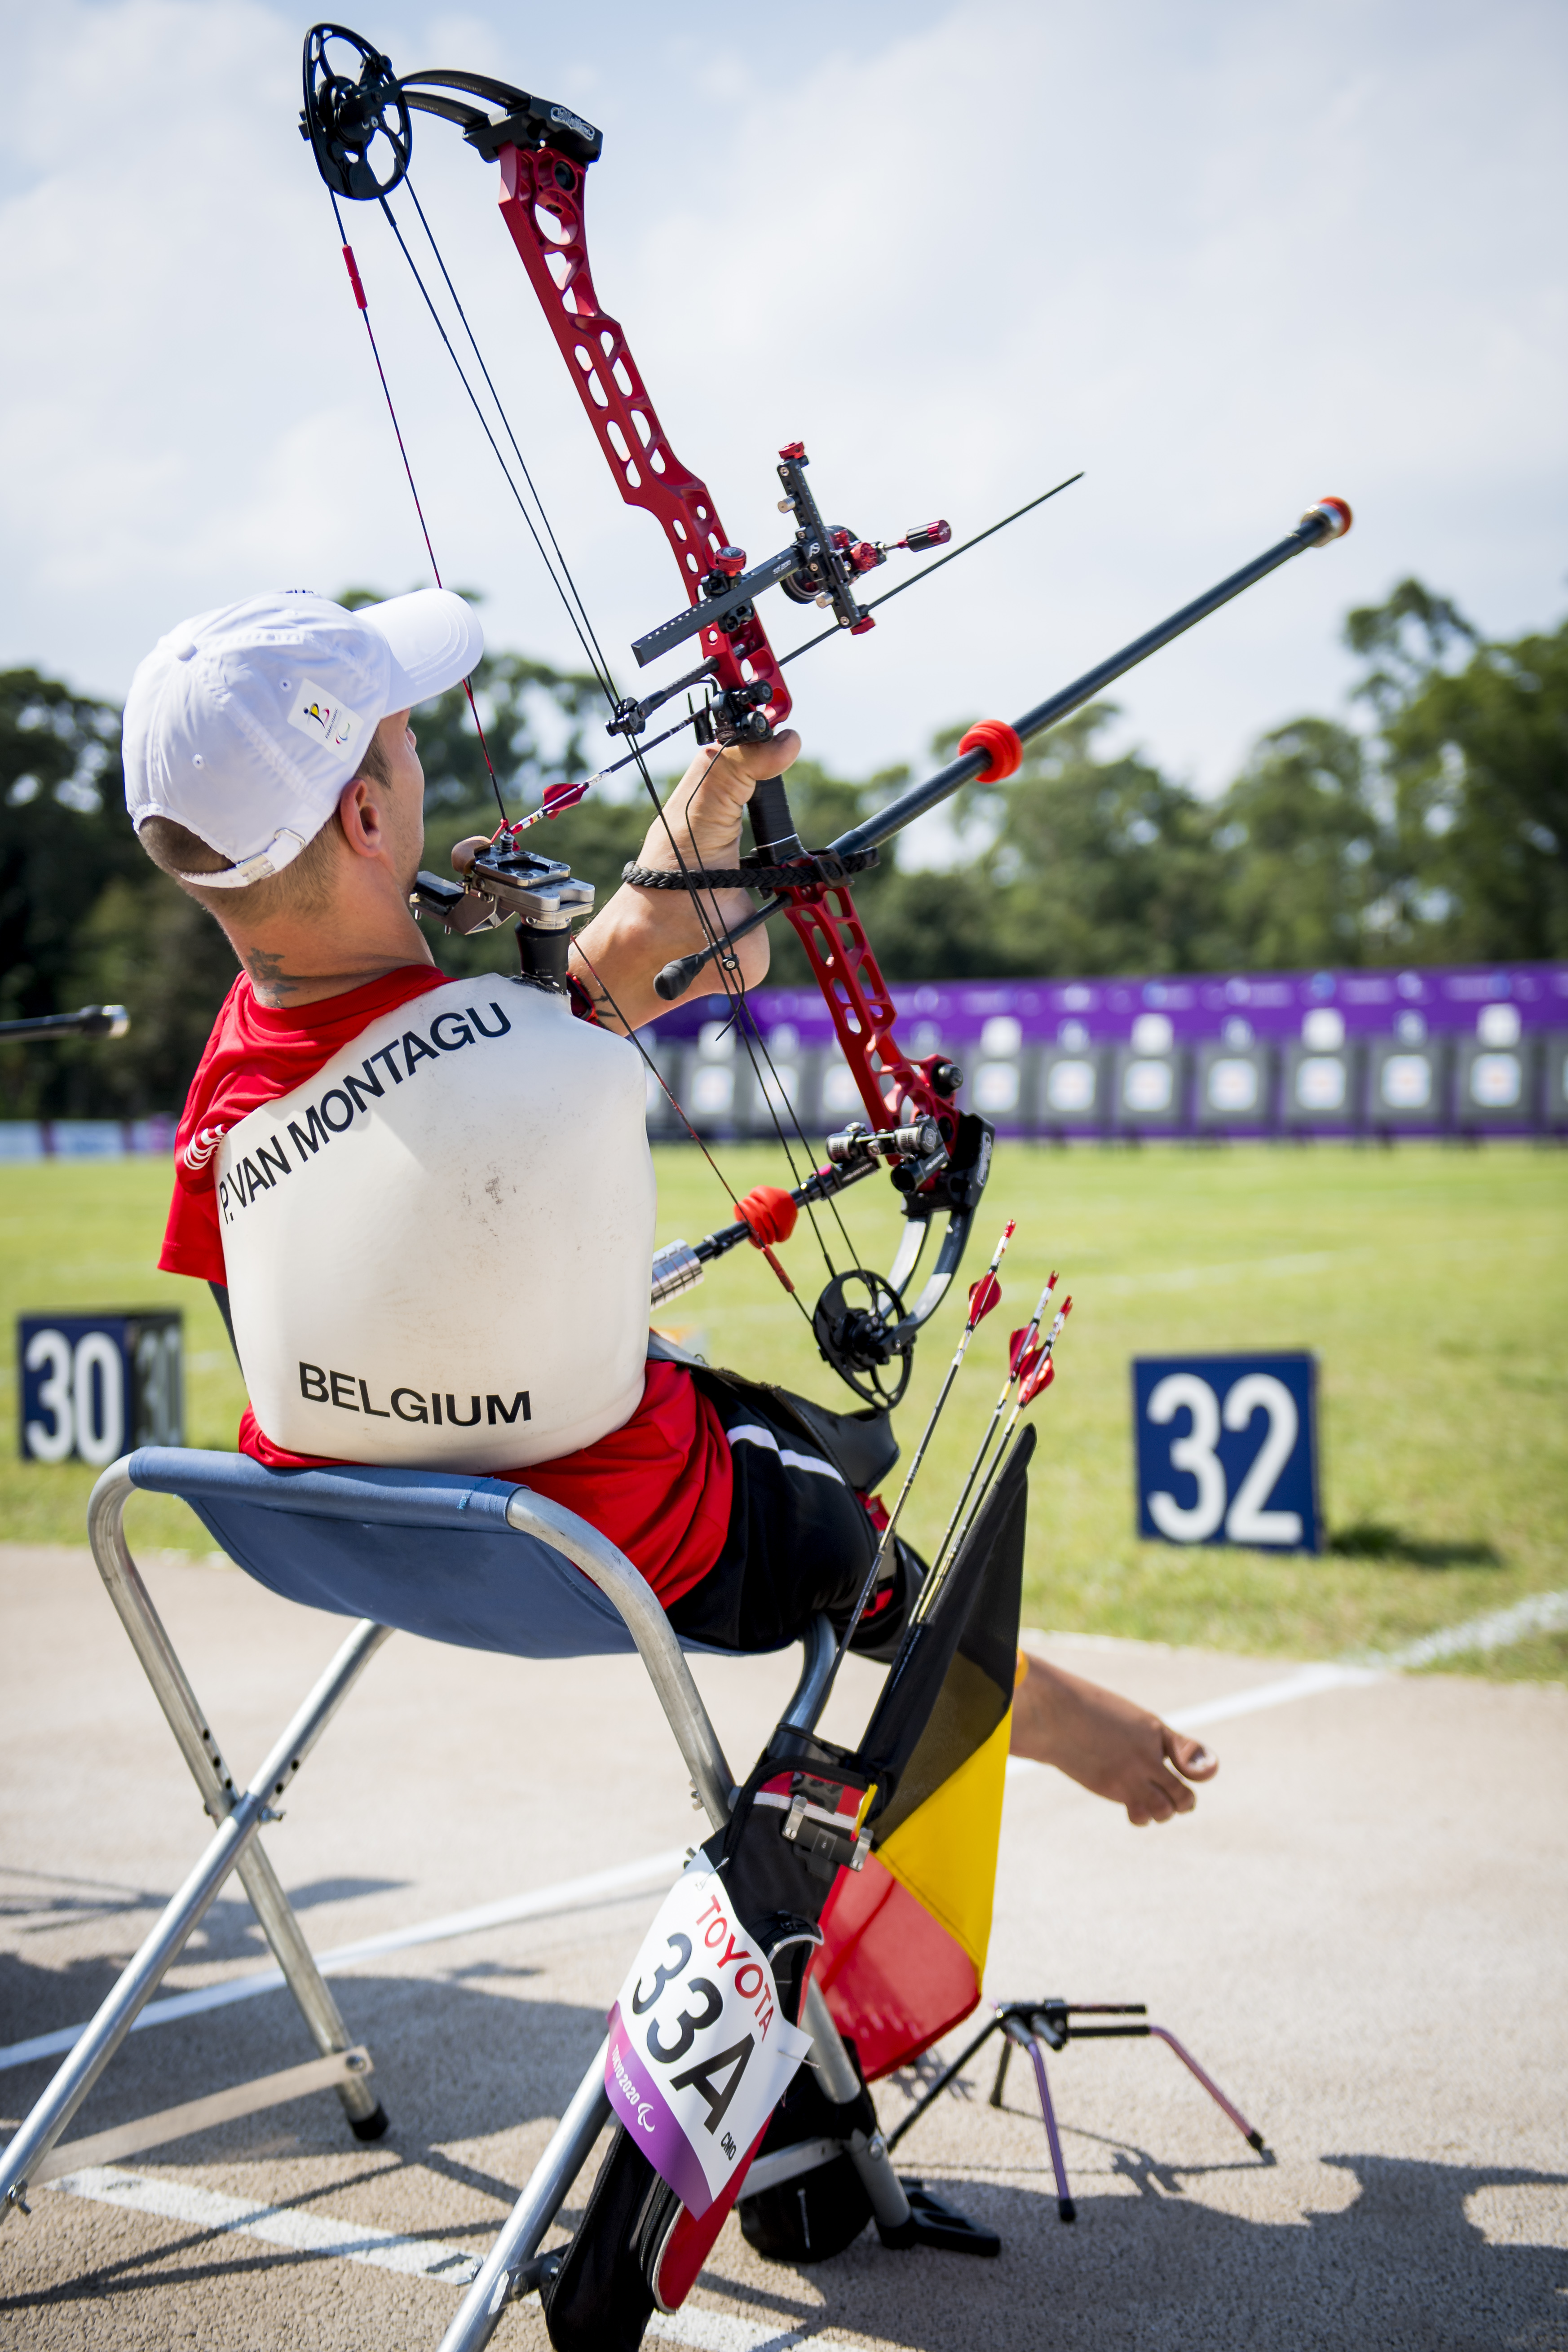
(715, 931)
(361, 299)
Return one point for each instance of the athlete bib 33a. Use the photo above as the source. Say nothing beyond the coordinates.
(439, 1249)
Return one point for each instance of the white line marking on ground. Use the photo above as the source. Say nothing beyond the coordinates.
(1540, 1613)
(718, 2331)
(1543, 1612)
(386, 2250)
(569, 1895)
(306, 2233)
(1307, 1682)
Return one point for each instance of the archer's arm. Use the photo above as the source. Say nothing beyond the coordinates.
(637, 932)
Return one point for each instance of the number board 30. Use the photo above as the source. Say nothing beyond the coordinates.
(1227, 1450)
(91, 1387)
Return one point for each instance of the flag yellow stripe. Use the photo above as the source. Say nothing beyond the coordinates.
(945, 1854)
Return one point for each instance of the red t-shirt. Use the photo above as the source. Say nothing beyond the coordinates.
(659, 1486)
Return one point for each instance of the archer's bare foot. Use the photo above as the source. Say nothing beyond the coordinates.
(1107, 1744)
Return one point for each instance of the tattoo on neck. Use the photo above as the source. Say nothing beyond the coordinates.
(272, 984)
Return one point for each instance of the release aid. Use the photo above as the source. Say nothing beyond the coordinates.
(506, 882)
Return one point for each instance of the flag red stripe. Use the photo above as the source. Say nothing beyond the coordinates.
(896, 1981)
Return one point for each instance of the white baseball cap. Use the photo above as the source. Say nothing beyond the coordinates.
(245, 724)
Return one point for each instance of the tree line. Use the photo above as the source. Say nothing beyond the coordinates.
(1432, 826)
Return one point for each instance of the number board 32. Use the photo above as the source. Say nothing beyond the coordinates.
(1227, 1450)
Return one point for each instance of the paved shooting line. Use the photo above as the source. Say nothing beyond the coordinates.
(571, 1895)
(1541, 1613)
(384, 2250)
(1337, 1859)
(305, 2233)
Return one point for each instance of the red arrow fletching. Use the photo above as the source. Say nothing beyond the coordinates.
(984, 1295)
(1042, 1372)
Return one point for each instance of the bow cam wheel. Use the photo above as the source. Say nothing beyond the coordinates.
(358, 128)
(859, 1326)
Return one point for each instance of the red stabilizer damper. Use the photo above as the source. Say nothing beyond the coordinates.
(770, 1212)
(995, 737)
(1339, 518)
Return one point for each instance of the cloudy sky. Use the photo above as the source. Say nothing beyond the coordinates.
(1224, 257)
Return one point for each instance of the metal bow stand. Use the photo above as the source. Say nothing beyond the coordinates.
(1025, 2025)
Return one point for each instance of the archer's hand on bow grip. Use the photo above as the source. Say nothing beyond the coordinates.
(707, 809)
(638, 932)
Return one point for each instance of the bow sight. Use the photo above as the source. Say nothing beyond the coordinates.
(820, 566)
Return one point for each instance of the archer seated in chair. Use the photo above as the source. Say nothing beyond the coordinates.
(425, 1205)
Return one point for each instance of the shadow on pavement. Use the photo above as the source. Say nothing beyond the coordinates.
(462, 2060)
(1401, 2266)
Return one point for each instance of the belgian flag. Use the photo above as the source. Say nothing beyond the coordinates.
(906, 1936)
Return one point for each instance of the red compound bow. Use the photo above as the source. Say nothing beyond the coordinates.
(358, 123)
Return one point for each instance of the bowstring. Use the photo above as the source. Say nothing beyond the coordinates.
(603, 666)
(418, 508)
(715, 931)
(719, 939)
(676, 1105)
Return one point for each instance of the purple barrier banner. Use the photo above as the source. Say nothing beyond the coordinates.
(1471, 1049)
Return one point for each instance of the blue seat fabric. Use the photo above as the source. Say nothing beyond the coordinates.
(422, 1551)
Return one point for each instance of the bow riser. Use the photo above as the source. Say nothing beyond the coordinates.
(829, 928)
(543, 184)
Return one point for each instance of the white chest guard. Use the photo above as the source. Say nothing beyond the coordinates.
(439, 1249)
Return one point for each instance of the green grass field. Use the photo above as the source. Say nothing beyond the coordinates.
(1432, 1283)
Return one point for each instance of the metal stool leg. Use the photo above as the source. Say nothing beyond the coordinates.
(102, 2038)
(507, 2267)
(889, 2205)
(106, 1533)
